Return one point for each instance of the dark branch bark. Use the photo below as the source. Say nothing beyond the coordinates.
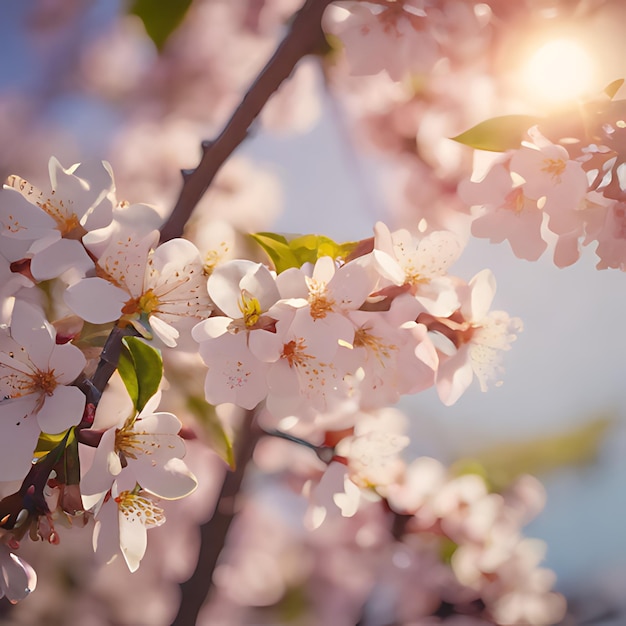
(304, 36)
(213, 533)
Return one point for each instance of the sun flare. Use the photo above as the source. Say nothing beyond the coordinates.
(559, 71)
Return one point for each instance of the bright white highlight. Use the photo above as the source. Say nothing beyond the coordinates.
(560, 70)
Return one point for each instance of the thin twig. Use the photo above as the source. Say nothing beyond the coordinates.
(324, 453)
(213, 533)
(304, 36)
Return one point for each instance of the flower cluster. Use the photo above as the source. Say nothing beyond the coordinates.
(423, 536)
(326, 338)
(320, 349)
(104, 320)
(547, 192)
(315, 343)
(103, 273)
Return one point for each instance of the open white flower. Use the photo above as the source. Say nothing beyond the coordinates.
(482, 336)
(165, 284)
(419, 264)
(122, 524)
(148, 450)
(35, 374)
(136, 459)
(49, 224)
(245, 292)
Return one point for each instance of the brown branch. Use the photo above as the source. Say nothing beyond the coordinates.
(304, 36)
(213, 533)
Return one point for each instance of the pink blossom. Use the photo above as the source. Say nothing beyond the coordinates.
(146, 447)
(391, 355)
(232, 345)
(505, 212)
(165, 284)
(122, 523)
(420, 264)
(481, 336)
(393, 38)
(35, 378)
(51, 223)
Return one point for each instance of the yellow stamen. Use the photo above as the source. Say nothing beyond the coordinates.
(250, 309)
(554, 167)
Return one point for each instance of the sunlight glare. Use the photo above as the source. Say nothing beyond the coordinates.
(559, 71)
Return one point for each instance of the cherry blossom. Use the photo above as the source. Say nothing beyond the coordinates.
(146, 447)
(392, 37)
(421, 481)
(330, 292)
(419, 264)
(302, 378)
(321, 496)
(363, 462)
(51, 223)
(165, 284)
(245, 292)
(315, 353)
(373, 450)
(391, 355)
(548, 172)
(122, 523)
(35, 375)
(471, 342)
(505, 212)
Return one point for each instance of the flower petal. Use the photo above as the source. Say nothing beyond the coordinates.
(58, 257)
(106, 533)
(96, 300)
(18, 577)
(164, 331)
(99, 478)
(31, 330)
(19, 432)
(63, 409)
(171, 481)
(67, 362)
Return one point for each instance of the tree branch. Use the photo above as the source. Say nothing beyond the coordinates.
(304, 36)
(213, 533)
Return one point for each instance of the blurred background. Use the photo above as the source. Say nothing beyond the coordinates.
(332, 154)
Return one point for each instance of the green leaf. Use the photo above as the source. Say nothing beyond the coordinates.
(277, 248)
(612, 88)
(126, 370)
(502, 464)
(309, 248)
(218, 438)
(160, 17)
(50, 448)
(298, 250)
(47, 443)
(68, 467)
(498, 134)
(141, 369)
